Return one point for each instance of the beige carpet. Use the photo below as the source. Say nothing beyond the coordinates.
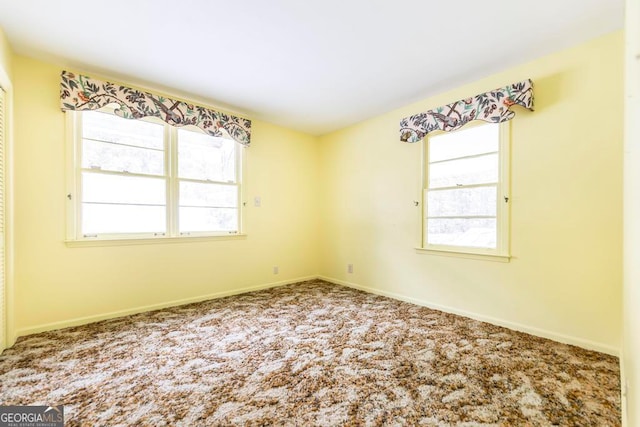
(309, 354)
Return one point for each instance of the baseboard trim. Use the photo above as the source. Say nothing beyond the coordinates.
(141, 309)
(566, 339)
(579, 342)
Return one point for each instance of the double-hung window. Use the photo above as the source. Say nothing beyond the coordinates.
(466, 191)
(146, 179)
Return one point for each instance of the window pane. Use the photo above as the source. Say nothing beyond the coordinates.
(477, 233)
(206, 157)
(104, 188)
(101, 219)
(465, 142)
(107, 127)
(476, 170)
(462, 202)
(208, 219)
(122, 158)
(208, 195)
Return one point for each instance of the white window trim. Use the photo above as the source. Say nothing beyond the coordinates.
(74, 236)
(502, 252)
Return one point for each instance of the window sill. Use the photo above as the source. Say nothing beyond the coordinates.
(468, 255)
(150, 241)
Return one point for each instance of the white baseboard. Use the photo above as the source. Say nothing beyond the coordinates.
(579, 342)
(566, 339)
(114, 314)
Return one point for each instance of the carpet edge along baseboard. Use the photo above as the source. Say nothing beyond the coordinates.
(543, 333)
(77, 321)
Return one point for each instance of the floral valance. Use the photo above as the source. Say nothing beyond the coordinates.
(493, 106)
(79, 92)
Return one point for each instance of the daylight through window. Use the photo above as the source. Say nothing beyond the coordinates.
(137, 178)
(466, 187)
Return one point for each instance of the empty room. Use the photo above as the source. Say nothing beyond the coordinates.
(316, 213)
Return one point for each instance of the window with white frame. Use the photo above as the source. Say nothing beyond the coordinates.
(466, 190)
(147, 179)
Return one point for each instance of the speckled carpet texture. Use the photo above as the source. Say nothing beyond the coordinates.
(307, 354)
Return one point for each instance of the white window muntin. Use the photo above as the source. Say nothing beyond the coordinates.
(169, 175)
(500, 184)
(232, 182)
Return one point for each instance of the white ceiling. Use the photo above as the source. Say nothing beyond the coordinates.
(315, 66)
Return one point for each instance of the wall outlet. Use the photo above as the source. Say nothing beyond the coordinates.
(276, 270)
(350, 268)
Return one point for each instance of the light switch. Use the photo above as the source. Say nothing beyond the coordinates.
(257, 202)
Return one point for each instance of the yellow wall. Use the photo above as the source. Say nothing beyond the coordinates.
(564, 280)
(631, 296)
(348, 197)
(6, 56)
(56, 283)
(6, 287)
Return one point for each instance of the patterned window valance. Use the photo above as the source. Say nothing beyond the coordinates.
(84, 93)
(493, 106)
